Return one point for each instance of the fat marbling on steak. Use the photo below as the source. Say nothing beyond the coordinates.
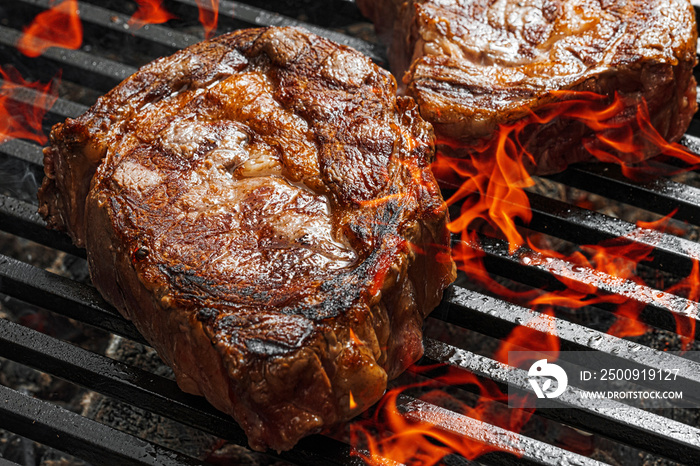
(472, 65)
(261, 206)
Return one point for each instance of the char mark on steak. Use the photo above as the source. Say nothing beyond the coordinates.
(473, 65)
(261, 206)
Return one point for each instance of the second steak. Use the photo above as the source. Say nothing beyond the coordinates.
(473, 65)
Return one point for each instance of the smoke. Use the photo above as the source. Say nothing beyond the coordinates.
(19, 179)
(23, 107)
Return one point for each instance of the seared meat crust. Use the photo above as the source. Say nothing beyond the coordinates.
(261, 206)
(472, 65)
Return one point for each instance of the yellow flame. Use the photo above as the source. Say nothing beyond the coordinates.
(353, 405)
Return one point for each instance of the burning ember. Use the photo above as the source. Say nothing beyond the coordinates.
(58, 26)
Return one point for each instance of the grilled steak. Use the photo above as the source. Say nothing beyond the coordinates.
(261, 206)
(472, 65)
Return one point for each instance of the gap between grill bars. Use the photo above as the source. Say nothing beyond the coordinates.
(462, 307)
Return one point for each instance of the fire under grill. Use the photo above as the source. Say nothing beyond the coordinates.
(462, 333)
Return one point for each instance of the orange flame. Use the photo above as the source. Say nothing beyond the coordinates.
(410, 439)
(492, 190)
(354, 338)
(690, 288)
(351, 401)
(407, 438)
(490, 183)
(58, 26)
(208, 15)
(17, 118)
(150, 12)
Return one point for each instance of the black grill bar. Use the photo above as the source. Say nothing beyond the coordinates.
(257, 17)
(62, 295)
(660, 195)
(493, 317)
(21, 218)
(89, 70)
(582, 226)
(67, 431)
(522, 450)
(25, 151)
(103, 19)
(59, 111)
(113, 378)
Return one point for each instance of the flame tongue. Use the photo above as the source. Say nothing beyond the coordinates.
(150, 12)
(490, 182)
(689, 287)
(19, 119)
(208, 15)
(58, 26)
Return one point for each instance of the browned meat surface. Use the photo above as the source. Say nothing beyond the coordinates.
(261, 206)
(474, 64)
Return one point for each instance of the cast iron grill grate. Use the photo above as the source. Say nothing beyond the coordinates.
(112, 52)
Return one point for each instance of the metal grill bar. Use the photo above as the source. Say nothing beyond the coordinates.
(255, 16)
(89, 70)
(582, 226)
(21, 218)
(660, 195)
(62, 295)
(103, 19)
(25, 151)
(522, 450)
(493, 317)
(59, 111)
(67, 431)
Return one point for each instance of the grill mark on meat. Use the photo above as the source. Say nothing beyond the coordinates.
(252, 200)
